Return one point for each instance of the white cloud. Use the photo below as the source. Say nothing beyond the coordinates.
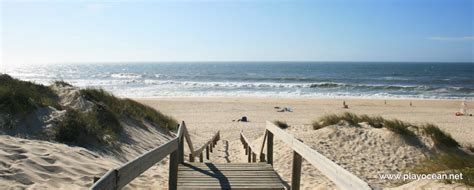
(460, 38)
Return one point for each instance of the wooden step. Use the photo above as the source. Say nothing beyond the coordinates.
(228, 176)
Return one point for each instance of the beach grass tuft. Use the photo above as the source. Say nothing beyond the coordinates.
(129, 108)
(99, 125)
(22, 97)
(439, 137)
(87, 128)
(398, 127)
(450, 163)
(395, 125)
(281, 124)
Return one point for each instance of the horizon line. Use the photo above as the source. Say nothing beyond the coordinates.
(244, 61)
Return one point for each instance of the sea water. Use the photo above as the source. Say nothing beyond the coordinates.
(264, 79)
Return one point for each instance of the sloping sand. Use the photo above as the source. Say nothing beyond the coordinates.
(36, 164)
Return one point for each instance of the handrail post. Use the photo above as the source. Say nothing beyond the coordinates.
(254, 157)
(207, 152)
(269, 147)
(181, 147)
(262, 157)
(296, 173)
(191, 157)
(249, 154)
(201, 159)
(173, 171)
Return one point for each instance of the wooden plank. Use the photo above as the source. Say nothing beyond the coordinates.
(230, 183)
(134, 168)
(225, 164)
(296, 171)
(187, 137)
(225, 173)
(237, 180)
(175, 158)
(249, 178)
(263, 142)
(340, 176)
(269, 147)
(233, 188)
(107, 182)
(227, 169)
(173, 171)
(181, 137)
(249, 156)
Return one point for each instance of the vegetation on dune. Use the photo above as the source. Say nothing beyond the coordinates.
(99, 125)
(86, 128)
(398, 127)
(21, 97)
(281, 124)
(450, 160)
(129, 108)
(440, 138)
(450, 163)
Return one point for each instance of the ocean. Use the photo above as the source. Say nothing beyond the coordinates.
(265, 79)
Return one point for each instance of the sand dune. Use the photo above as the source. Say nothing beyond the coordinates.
(365, 152)
(35, 164)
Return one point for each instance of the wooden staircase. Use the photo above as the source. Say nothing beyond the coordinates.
(228, 176)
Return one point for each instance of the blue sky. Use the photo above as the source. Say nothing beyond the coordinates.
(61, 31)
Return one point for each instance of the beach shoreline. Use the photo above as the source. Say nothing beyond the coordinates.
(204, 111)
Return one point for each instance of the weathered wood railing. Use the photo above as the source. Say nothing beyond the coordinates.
(119, 177)
(340, 176)
(250, 150)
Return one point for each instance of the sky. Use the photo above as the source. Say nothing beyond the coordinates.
(63, 31)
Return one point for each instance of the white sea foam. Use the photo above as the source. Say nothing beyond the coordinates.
(126, 75)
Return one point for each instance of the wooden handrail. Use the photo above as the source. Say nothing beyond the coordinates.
(250, 150)
(212, 140)
(340, 176)
(119, 177)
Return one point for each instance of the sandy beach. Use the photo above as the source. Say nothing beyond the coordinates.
(208, 115)
(205, 116)
(366, 152)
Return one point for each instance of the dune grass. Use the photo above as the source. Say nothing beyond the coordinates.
(281, 124)
(100, 125)
(399, 127)
(124, 108)
(21, 97)
(439, 137)
(450, 163)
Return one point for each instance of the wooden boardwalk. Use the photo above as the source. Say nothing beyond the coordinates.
(258, 173)
(228, 176)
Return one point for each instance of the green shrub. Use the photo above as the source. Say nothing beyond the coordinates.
(21, 97)
(96, 126)
(62, 83)
(439, 137)
(281, 124)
